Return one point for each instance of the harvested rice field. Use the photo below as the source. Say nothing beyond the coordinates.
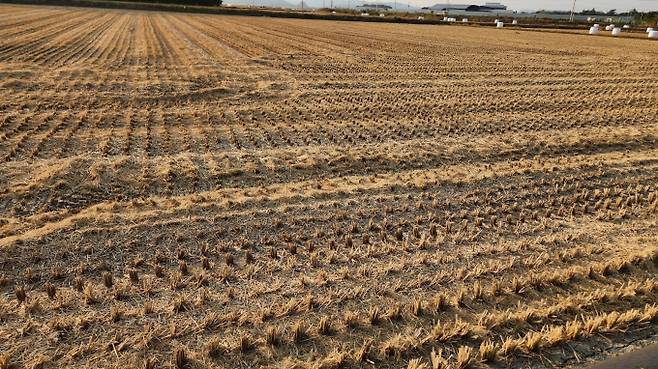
(208, 191)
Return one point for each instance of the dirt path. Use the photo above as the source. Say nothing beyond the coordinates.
(645, 358)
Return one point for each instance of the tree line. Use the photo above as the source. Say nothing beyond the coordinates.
(180, 2)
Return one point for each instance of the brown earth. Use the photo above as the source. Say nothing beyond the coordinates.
(211, 191)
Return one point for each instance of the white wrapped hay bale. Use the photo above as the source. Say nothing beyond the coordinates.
(653, 34)
(500, 25)
(594, 30)
(616, 31)
(649, 29)
(515, 22)
(465, 20)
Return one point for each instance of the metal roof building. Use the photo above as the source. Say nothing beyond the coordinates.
(487, 7)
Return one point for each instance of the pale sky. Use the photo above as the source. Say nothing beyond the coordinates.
(620, 5)
(642, 5)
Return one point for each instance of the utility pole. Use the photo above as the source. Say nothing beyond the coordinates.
(573, 9)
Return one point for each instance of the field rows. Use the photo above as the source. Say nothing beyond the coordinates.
(203, 191)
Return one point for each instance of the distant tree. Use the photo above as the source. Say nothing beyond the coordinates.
(182, 2)
(648, 17)
(632, 13)
(589, 12)
(611, 12)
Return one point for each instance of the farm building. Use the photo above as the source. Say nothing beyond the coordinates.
(373, 7)
(488, 8)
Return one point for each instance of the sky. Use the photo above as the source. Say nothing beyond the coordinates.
(642, 5)
(620, 5)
